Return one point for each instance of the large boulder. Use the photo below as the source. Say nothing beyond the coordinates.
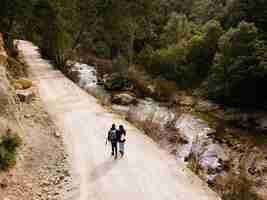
(262, 123)
(148, 111)
(23, 83)
(82, 74)
(25, 95)
(116, 81)
(124, 99)
(142, 112)
(120, 109)
(196, 140)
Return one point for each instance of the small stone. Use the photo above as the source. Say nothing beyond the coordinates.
(4, 184)
(27, 116)
(57, 134)
(45, 183)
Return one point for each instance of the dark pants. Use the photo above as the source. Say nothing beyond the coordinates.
(114, 147)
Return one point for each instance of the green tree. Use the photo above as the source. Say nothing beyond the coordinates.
(13, 16)
(202, 48)
(239, 67)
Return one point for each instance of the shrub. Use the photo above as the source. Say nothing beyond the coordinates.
(8, 145)
(238, 187)
(239, 69)
(202, 48)
(120, 65)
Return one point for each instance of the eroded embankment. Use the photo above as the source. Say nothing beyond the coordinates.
(40, 169)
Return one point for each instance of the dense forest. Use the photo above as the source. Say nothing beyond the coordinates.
(220, 45)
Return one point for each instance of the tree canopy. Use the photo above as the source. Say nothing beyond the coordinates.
(221, 43)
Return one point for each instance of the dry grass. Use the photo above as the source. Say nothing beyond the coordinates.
(155, 87)
(16, 69)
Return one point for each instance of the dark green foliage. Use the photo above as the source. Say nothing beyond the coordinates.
(203, 47)
(240, 69)
(250, 11)
(13, 15)
(8, 145)
(174, 39)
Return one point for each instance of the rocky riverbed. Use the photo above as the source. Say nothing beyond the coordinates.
(196, 131)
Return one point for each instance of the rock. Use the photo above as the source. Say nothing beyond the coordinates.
(213, 158)
(25, 95)
(74, 75)
(27, 116)
(262, 123)
(3, 183)
(187, 101)
(205, 106)
(23, 83)
(195, 133)
(151, 89)
(191, 127)
(57, 134)
(45, 183)
(163, 116)
(123, 99)
(117, 82)
(120, 109)
(18, 86)
(148, 111)
(142, 112)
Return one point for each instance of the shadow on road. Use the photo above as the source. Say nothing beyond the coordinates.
(102, 169)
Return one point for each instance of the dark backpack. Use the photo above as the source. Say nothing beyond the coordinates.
(113, 135)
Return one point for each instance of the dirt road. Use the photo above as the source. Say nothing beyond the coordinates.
(145, 173)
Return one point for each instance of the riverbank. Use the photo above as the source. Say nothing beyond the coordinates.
(221, 145)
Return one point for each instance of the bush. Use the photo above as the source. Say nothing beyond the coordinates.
(8, 145)
(120, 64)
(238, 188)
(102, 50)
(239, 69)
(202, 48)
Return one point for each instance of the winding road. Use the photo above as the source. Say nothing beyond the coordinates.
(145, 173)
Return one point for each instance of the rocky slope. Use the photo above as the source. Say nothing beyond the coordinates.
(223, 146)
(41, 170)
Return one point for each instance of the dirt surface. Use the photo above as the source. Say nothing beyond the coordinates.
(41, 171)
(146, 172)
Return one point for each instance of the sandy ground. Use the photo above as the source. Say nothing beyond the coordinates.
(41, 171)
(146, 172)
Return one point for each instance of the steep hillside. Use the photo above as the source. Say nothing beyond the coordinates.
(32, 159)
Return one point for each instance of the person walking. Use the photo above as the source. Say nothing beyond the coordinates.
(122, 139)
(113, 139)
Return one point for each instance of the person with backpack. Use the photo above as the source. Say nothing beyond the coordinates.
(122, 140)
(113, 139)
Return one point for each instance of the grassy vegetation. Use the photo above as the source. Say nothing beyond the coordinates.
(15, 68)
(239, 188)
(8, 145)
(193, 163)
(211, 120)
